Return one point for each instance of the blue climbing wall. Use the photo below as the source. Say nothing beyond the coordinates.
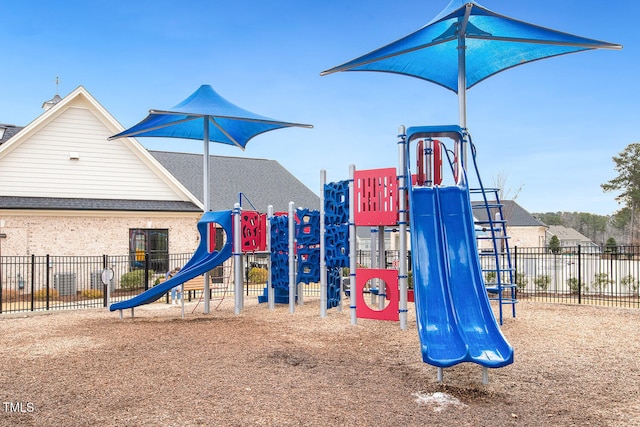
(336, 207)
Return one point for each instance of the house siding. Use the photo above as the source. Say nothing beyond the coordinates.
(526, 236)
(41, 167)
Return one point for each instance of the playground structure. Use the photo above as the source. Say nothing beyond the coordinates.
(455, 319)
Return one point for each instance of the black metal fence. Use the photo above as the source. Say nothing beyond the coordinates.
(29, 283)
(571, 275)
(34, 283)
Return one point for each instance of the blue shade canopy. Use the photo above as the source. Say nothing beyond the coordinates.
(206, 111)
(490, 43)
(205, 116)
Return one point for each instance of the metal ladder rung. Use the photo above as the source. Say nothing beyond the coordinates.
(486, 221)
(488, 205)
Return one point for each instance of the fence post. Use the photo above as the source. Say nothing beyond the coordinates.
(579, 275)
(105, 288)
(33, 281)
(47, 281)
(146, 271)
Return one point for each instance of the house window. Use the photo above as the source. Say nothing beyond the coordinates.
(154, 242)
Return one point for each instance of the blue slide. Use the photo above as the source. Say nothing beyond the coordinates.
(454, 316)
(201, 261)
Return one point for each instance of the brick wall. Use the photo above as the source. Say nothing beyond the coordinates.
(91, 234)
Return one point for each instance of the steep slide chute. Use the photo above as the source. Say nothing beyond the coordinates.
(454, 316)
(201, 261)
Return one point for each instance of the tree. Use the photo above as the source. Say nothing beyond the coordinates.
(611, 246)
(627, 183)
(554, 244)
(550, 218)
(500, 182)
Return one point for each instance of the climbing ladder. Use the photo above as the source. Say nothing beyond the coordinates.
(495, 259)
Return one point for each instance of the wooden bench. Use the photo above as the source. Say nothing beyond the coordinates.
(197, 284)
(193, 285)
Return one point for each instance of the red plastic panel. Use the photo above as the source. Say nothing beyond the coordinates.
(254, 231)
(376, 197)
(437, 162)
(211, 237)
(390, 277)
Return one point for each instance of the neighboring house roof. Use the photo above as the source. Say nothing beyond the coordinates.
(263, 182)
(51, 203)
(515, 214)
(567, 234)
(7, 131)
(62, 160)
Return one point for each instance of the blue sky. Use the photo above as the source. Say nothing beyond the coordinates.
(550, 127)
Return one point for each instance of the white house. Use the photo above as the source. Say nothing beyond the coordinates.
(66, 190)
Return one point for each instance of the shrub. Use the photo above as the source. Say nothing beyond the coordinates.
(490, 277)
(521, 281)
(132, 280)
(600, 281)
(41, 294)
(630, 283)
(258, 275)
(574, 285)
(542, 282)
(92, 293)
(611, 246)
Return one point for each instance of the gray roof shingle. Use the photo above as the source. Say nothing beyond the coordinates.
(9, 131)
(53, 203)
(263, 182)
(515, 214)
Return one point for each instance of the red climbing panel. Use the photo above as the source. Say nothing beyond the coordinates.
(254, 231)
(376, 197)
(390, 278)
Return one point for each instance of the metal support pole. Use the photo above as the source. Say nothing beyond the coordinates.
(485, 375)
(382, 264)
(462, 77)
(207, 205)
(323, 261)
(237, 259)
(292, 261)
(271, 298)
(374, 264)
(352, 245)
(402, 221)
(182, 295)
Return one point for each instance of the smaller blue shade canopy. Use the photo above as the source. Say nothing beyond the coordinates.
(205, 110)
(492, 43)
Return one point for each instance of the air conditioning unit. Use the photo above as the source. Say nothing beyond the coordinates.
(96, 281)
(65, 283)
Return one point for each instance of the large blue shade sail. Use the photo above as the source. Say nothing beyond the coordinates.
(206, 111)
(491, 43)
